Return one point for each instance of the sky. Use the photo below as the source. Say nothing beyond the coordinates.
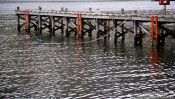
(67, 0)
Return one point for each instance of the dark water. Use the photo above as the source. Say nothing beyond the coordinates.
(59, 68)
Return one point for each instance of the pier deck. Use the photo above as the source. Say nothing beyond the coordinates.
(80, 23)
(102, 15)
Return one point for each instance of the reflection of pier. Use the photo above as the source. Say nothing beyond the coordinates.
(79, 53)
(102, 23)
(155, 63)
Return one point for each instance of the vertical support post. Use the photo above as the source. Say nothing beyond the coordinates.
(122, 27)
(105, 30)
(40, 24)
(115, 25)
(81, 26)
(154, 29)
(66, 27)
(40, 20)
(135, 32)
(123, 34)
(97, 27)
(62, 26)
(18, 21)
(52, 24)
(109, 28)
(29, 19)
(90, 30)
(140, 36)
(26, 21)
(18, 26)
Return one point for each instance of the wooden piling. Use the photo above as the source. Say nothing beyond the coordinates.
(18, 21)
(140, 36)
(40, 20)
(105, 30)
(18, 26)
(29, 19)
(66, 27)
(154, 30)
(52, 25)
(79, 25)
(116, 31)
(40, 24)
(109, 28)
(62, 26)
(97, 27)
(135, 32)
(123, 32)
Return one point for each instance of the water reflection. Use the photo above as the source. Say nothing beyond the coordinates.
(27, 41)
(71, 69)
(155, 61)
(78, 53)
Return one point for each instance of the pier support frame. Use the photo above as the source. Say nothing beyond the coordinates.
(102, 25)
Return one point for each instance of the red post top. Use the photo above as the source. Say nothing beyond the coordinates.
(164, 2)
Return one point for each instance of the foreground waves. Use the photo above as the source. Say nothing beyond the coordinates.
(37, 68)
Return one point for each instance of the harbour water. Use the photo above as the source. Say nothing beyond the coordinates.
(60, 67)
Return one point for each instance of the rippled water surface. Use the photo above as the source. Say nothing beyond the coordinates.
(38, 68)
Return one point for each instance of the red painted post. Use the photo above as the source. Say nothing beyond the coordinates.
(80, 16)
(79, 24)
(26, 20)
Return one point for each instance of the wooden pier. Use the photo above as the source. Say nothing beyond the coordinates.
(103, 23)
